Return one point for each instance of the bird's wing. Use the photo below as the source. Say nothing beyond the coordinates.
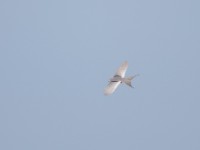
(111, 87)
(122, 69)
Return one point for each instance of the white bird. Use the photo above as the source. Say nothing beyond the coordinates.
(118, 78)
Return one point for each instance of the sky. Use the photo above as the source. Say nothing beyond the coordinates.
(57, 56)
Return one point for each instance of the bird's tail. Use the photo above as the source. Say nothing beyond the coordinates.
(127, 80)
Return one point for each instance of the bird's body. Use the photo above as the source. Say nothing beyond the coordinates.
(118, 78)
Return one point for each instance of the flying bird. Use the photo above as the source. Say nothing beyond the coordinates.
(118, 78)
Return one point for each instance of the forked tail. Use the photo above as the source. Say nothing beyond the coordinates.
(127, 80)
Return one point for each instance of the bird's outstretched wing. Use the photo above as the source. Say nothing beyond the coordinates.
(122, 69)
(111, 87)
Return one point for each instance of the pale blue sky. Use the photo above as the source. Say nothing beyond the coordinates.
(56, 58)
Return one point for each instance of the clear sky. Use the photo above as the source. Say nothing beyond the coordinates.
(56, 57)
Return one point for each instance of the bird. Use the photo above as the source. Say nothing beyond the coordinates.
(119, 78)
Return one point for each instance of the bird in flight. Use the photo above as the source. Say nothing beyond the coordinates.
(119, 78)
